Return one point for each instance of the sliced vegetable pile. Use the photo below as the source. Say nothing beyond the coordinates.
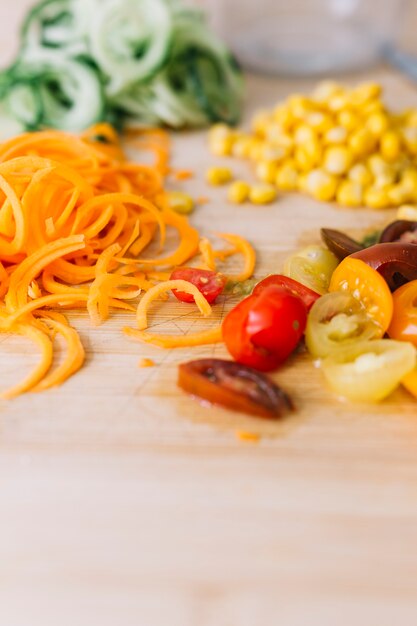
(76, 221)
(335, 144)
(340, 300)
(123, 61)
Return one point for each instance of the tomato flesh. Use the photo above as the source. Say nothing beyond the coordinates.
(369, 371)
(211, 284)
(404, 320)
(337, 321)
(263, 330)
(308, 296)
(367, 285)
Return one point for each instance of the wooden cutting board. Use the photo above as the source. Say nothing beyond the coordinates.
(124, 502)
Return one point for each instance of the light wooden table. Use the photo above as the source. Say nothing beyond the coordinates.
(124, 503)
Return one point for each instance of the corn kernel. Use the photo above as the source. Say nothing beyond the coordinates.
(219, 131)
(218, 175)
(262, 194)
(365, 92)
(255, 150)
(261, 121)
(266, 171)
(278, 139)
(390, 145)
(377, 198)
(409, 181)
(381, 170)
(308, 155)
(304, 133)
(238, 192)
(398, 194)
(407, 212)
(221, 145)
(338, 102)
(287, 177)
(411, 117)
(409, 134)
(326, 90)
(371, 107)
(321, 185)
(180, 202)
(300, 106)
(359, 173)
(273, 153)
(336, 135)
(350, 194)
(362, 142)
(242, 147)
(284, 117)
(377, 123)
(337, 160)
(319, 121)
(348, 119)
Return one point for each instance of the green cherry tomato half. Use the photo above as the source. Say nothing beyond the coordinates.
(263, 330)
(312, 267)
(336, 321)
(369, 371)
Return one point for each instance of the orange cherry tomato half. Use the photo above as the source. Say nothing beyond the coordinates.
(234, 386)
(404, 320)
(410, 383)
(263, 330)
(211, 284)
(308, 296)
(367, 286)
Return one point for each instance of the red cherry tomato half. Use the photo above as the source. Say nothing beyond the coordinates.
(308, 296)
(211, 284)
(263, 330)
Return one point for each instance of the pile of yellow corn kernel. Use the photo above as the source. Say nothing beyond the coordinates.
(336, 144)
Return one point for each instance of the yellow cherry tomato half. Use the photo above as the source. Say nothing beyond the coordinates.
(369, 371)
(336, 321)
(367, 286)
(404, 320)
(313, 267)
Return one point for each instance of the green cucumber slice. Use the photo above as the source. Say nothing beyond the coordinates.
(70, 91)
(130, 40)
(56, 24)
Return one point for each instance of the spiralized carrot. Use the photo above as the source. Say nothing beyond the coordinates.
(82, 227)
(242, 246)
(75, 354)
(155, 292)
(170, 342)
(207, 253)
(45, 345)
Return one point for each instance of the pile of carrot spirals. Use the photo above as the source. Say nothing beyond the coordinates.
(76, 221)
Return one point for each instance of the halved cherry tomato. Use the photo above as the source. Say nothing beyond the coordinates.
(404, 320)
(369, 371)
(396, 262)
(308, 296)
(410, 382)
(336, 321)
(211, 284)
(313, 267)
(263, 330)
(365, 284)
(234, 386)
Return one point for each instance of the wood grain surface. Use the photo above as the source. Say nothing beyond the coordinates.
(125, 503)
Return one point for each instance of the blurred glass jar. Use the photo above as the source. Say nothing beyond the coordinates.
(307, 37)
